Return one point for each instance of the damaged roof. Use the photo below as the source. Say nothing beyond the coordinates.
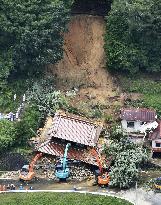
(138, 114)
(74, 129)
(57, 149)
(156, 134)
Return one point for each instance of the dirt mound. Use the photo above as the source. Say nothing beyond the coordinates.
(84, 62)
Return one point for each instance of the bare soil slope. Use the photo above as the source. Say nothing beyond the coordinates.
(83, 65)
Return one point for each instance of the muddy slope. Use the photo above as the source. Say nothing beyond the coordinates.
(83, 65)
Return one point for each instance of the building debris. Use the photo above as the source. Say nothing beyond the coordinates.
(83, 134)
(75, 152)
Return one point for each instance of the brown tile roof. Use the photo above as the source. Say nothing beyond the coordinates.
(74, 129)
(138, 114)
(57, 149)
(156, 134)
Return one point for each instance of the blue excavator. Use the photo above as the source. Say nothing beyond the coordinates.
(62, 169)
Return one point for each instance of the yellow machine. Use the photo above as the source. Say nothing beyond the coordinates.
(157, 184)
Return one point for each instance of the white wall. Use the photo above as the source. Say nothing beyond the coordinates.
(137, 126)
(154, 143)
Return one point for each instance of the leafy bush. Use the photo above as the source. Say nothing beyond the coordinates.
(28, 125)
(17, 86)
(46, 98)
(17, 133)
(8, 134)
(126, 157)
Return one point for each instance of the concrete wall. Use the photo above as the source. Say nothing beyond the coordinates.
(136, 128)
(154, 143)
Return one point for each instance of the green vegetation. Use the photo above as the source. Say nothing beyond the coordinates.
(44, 96)
(58, 198)
(7, 134)
(150, 90)
(42, 100)
(28, 125)
(17, 133)
(133, 41)
(31, 34)
(126, 159)
(17, 86)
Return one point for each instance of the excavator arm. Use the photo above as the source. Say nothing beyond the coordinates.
(102, 178)
(65, 155)
(94, 153)
(34, 160)
(28, 175)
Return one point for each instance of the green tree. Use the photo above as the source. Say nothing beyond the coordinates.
(7, 134)
(33, 29)
(46, 98)
(28, 125)
(126, 157)
(133, 40)
(6, 65)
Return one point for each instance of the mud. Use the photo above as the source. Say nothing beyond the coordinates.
(84, 64)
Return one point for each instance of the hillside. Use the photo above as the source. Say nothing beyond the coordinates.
(83, 64)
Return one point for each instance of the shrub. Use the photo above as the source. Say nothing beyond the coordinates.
(30, 122)
(46, 98)
(126, 157)
(8, 134)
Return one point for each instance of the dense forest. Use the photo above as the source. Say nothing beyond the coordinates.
(31, 33)
(133, 40)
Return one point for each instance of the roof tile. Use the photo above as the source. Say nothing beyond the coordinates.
(138, 114)
(58, 149)
(74, 129)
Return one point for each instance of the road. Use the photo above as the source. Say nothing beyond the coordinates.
(137, 196)
(141, 197)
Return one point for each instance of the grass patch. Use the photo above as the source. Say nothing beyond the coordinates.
(58, 199)
(140, 85)
(149, 88)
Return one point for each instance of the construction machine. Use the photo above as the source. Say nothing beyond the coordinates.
(157, 184)
(62, 169)
(102, 178)
(27, 172)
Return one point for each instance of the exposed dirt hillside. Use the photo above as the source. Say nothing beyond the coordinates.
(83, 65)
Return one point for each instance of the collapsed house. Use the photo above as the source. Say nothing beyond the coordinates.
(82, 134)
(137, 121)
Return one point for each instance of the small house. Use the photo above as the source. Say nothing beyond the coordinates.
(136, 121)
(155, 138)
